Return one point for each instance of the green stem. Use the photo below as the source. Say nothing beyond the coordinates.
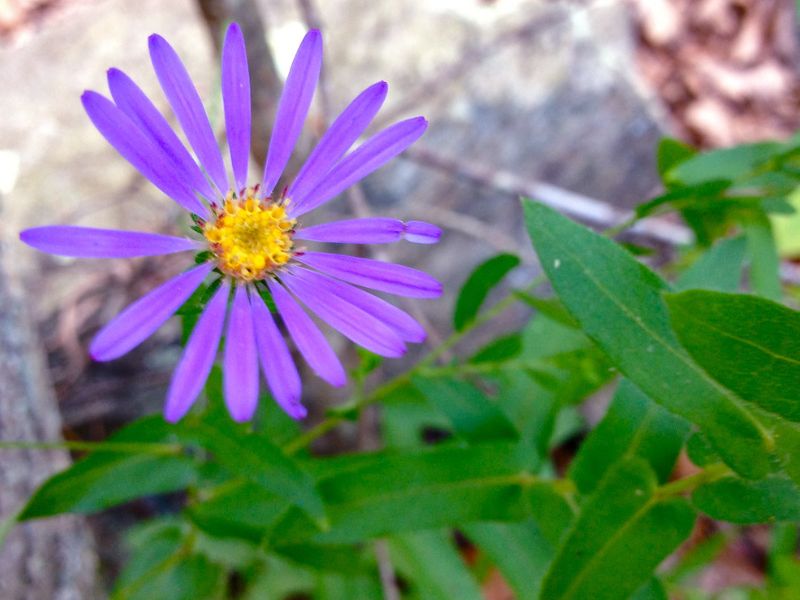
(399, 381)
(689, 484)
(121, 447)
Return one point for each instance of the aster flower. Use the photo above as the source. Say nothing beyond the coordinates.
(249, 235)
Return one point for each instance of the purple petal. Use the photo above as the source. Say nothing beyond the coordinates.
(240, 368)
(375, 274)
(419, 232)
(186, 103)
(371, 155)
(236, 98)
(346, 129)
(401, 322)
(88, 242)
(375, 230)
(355, 324)
(135, 147)
(137, 322)
(293, 107)
(308, 338)
(192, 371)
(276, 361)
(134, 103)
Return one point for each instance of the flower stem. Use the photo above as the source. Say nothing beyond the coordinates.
(121, 447)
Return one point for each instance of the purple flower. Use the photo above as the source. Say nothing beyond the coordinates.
(251, 234)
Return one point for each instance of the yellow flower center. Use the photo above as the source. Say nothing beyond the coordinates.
(250, 237)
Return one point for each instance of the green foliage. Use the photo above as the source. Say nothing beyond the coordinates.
(750, 345)
(633, 426)
(623, 527)
(618, 303)
(485, 277)
(496, 453)
(104, 479)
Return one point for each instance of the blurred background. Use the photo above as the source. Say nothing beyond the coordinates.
(563, 101)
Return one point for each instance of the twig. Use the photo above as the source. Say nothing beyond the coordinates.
(386, 571)
(469, 225)
(590, 210)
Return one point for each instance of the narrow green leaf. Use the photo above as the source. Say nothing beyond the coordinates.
(332, 586)
(433, 567)
(764, 260)
(520, 552)
(499, 350)
(633, 426)
(670, 153)
(776, 498)
(618, 303)
(700, 451)
(473, 415)
(720, 268)
(620, 536)
(482, 280)
(550, 308)
(105, 479)
(750, 345)
(369, 495)
(728, 163)
(257, 459)
(162, 567)
(244, 510)
(652, 590)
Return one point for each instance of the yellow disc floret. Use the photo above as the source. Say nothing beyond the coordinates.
(250, 237)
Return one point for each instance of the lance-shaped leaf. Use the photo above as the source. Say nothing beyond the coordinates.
(624, 530)
(104, 479)
(633, 426)
(774, 498)
(749, 344)
(369, 495)
(482, 280)
(618, 303)
(433, 566)
(473, 415)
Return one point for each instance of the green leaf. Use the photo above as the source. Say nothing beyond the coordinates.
(342, 559)
(670, 153)
(750, 345)
(776, 498)
(519, 550)
(105, 479)
(621, 535)
(764, 261)
(652, 590)
(433, 566)
(550, 308)
(405, 415)
(243, 510)
(254, 457)
(618, 303)
(162, 567)
(482, 280)
(332, 586)
(473, 415)
(720, 268)
(728, 163)
(368, 495)
(700, 451)
(633, 426)
(502, 349)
